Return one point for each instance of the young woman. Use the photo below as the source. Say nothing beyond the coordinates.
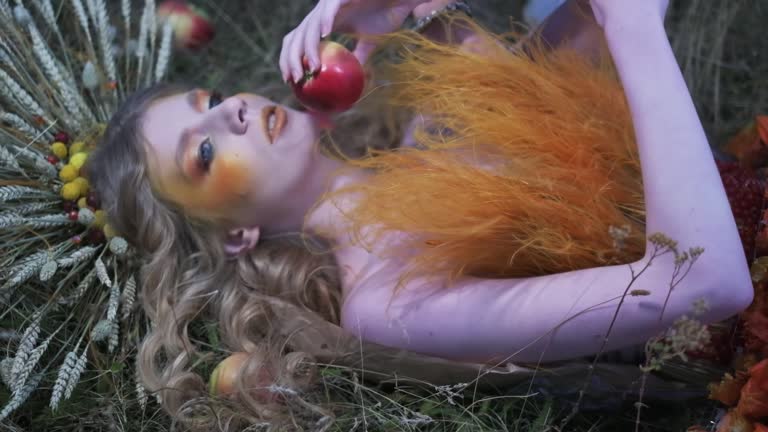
(492, 242)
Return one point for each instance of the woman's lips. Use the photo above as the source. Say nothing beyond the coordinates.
(280, 118)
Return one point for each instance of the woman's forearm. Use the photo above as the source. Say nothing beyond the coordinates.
(684, 195)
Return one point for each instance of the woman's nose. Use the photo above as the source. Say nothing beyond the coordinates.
(230, 115)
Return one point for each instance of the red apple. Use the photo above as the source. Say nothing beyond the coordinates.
(192, 27)
(336, 86)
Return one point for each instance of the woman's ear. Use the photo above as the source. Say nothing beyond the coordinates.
(241, 240)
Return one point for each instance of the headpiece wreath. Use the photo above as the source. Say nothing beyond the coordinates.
(66, 277)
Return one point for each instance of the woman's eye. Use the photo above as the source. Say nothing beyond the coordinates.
(214, 99)
(205, 154)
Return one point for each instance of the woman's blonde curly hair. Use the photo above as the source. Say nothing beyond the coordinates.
(187, 276)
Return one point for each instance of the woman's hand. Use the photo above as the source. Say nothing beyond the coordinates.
(365, 17)
(609, 11)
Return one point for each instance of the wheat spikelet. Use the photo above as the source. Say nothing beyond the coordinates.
(5, 9)
(68, 94)
(114, 337)
(9, 220)
(141, 392)
(152, 23)
(82, 287)
(114, 302)
(32, 360)
(47, 221)
(101, 273)
(65, 372)
(5, 371)
(46, 10)
(14, 92)
(101, 21)
(43, 166)
(83, 254)
(27, 344)
(129, 296)
(5, 59)
(21, 396)
(35, 206)
(24, 270)
(8, 160)
(125, 10)
(8, 193)
(83, 19)
(141, 46)
(48, 270)
(19, 124)
(164, 54)
(101, 331)
(74, 376)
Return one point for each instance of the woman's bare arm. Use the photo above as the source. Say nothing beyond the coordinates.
(481, 319)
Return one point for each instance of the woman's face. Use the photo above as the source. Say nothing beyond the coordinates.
(233, 157)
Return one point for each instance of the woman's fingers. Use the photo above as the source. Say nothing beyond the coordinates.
(312, 40)
(285, 69)
(296, 49)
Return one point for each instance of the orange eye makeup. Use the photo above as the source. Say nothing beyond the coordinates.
(225, 185)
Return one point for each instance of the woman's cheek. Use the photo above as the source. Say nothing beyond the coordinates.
(227, 184)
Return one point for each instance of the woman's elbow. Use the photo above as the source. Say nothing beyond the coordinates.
(729, 291)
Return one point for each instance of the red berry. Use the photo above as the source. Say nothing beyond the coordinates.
(72, 215)
(96, 236)
(52, 159)
(61, 136)
(69, 206)
(92, 199)
(77, 239)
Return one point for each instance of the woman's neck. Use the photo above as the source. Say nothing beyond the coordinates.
(306, 210)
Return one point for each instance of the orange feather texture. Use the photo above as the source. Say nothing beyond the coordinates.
(528, 159)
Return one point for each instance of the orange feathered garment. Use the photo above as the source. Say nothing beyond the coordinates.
(558, 134)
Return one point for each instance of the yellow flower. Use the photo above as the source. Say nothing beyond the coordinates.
(78, 159)
(83, 184)
(77, 147)
(109, 232)
(82, 203)
(99, 219)
(59, 149)
(68, 173)
(70, 191)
